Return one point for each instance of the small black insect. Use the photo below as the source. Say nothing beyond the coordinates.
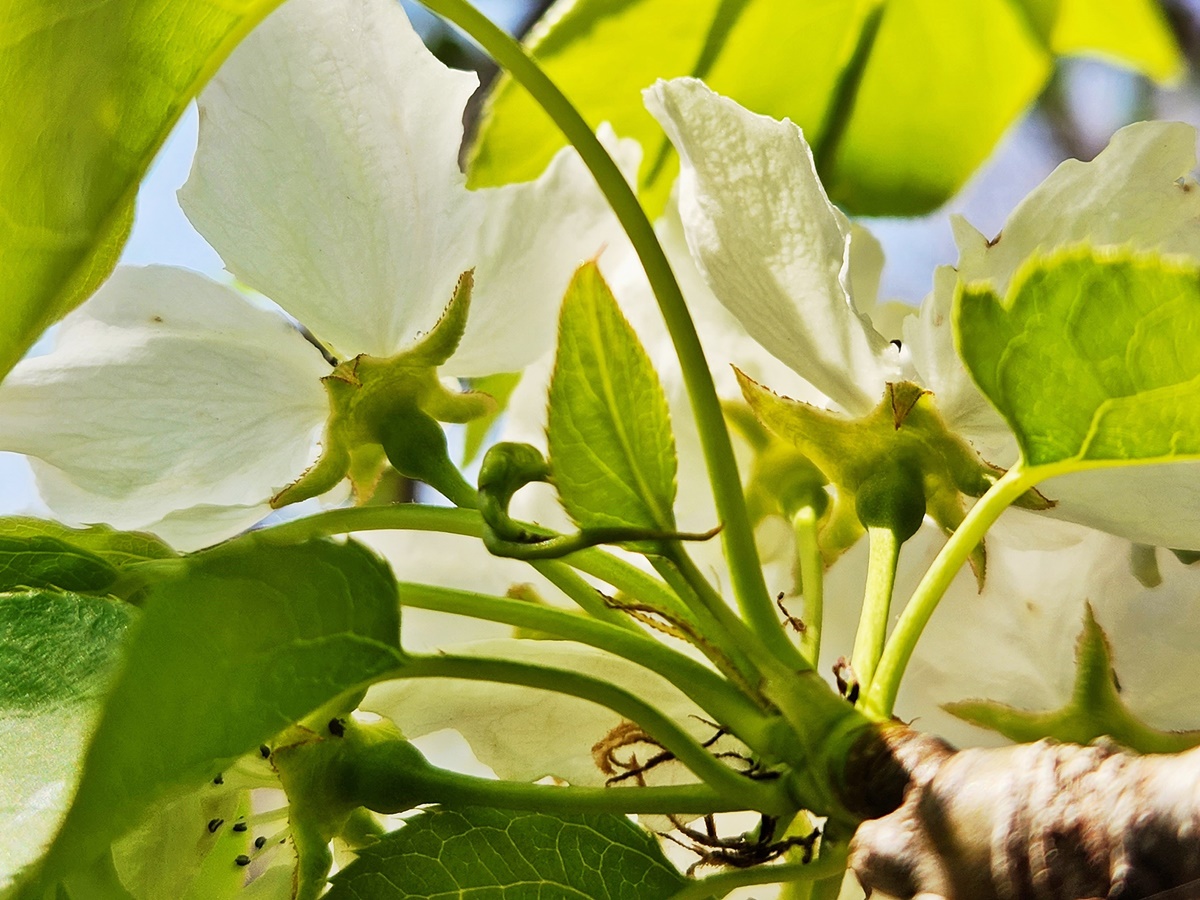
(220, 779)
(242, 859)
(264, 751)
(337, 727)
(259, 842)
(240, 826)
(214, 824)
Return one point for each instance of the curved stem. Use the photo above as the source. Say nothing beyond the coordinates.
(766, 797)
(746, 641)
(881, 697)
(717, 886)
(455, 789)
(585, 596)
(710, 691)
(737, 535)
(877, 604)
(468, 523)
(812, 581)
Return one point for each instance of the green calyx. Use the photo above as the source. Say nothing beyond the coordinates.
(319, 771)
(389, 409)
(902, 456)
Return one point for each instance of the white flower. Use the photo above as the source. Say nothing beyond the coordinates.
(777, 255)
(327, 179)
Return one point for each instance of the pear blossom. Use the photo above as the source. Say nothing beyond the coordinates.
(776, 253)
(746, 178)
(327, 179)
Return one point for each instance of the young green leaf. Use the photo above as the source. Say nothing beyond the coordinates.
(611, 449)
(245, 640)
(498, 854)
(45, 562)
(904, 95)
(1092, 360)
(90, 92)
(58, 653)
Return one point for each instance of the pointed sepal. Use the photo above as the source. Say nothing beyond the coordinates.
(904, 431)
(1095, 709)
(376, 403)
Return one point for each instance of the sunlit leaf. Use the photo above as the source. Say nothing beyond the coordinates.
(245, 640)
(611, 447)
(1093, 358)
(58, 652)
(89, 92)
(494, 854)
(1134, 33)
(925, 100)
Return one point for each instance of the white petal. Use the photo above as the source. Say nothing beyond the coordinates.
(1138, 191)
(522, 733)
(929, 338)
(772, 247)
(169, 399)
(327, 175)
(526, 244)
(1157, 505)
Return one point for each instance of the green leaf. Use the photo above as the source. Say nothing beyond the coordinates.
(246, 639)
(89, 92)
(1094, 710)
(117, 548)
(58, 653)
(36, 553)
(491, 854)
(612, 453)
(1093, 357)
(923, 101)
(44, 562)
(1134, 33)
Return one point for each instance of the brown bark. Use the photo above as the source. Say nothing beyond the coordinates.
(1043, 821)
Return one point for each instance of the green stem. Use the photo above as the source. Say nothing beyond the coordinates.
(467, 522)
(766, 797)
(747, 642)
(710, 636)
(710, 691)
(881, 699)
(877, 603)
(717, 886)
(455, 789)
(737, 535)
(812, 581)
(587, 597)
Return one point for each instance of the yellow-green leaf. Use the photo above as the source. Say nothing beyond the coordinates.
(89, 92)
